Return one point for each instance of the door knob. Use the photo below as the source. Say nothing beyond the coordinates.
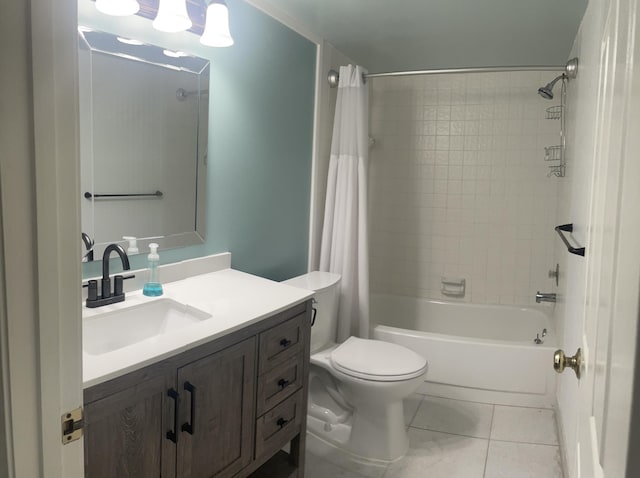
(561, 361)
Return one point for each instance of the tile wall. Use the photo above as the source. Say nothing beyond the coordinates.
(459, 185)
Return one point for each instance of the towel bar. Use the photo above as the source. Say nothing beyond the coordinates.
(579, 251)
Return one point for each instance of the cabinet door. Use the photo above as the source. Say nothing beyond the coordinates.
(125, 433)
(217, 413)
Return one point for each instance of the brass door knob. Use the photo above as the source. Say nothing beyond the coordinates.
(561, 361)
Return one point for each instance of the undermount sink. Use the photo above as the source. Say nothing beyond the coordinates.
(120, 328)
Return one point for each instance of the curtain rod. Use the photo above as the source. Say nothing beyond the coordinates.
(334, 76)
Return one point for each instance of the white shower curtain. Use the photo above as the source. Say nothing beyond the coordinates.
(344, 248)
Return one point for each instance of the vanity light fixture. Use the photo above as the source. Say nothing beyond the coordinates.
(172, 16)
(118, 8)
(216, 30)
(174, 54)
(129, 41)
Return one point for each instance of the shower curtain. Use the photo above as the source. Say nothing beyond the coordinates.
(344, 247)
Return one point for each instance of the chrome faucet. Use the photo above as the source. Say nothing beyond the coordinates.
(545, 297)
(88, 245)
(107, 296)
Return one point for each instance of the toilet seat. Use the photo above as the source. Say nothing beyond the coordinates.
(377, 361)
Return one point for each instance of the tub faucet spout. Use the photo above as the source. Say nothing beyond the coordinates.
(545, 297)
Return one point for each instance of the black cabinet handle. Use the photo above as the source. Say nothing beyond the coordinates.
(313, 316)
(285, 342)
(283, 383)
(282, 422)
(188, 427)
(171, 434)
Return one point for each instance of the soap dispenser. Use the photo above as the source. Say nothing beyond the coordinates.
(133, 245)
(153, 287)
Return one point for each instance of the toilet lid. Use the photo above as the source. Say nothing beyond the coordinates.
(377, 360)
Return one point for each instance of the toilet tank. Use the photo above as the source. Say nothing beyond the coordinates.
(326, 286)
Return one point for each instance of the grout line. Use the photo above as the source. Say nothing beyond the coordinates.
(449, 433)
(525, 442)
(413, 417)
(486, 458)
(486, 403)
(521, 406)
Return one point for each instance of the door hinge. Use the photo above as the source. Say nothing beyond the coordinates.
(72, 425)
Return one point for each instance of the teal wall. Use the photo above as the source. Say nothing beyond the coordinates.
(261, 146)
(260, 150)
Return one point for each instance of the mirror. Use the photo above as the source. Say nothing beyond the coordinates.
(143, 142)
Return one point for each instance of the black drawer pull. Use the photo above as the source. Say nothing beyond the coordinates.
(285, 342)
(171, 434)
(188, 427)
(283, 383)
(282, 422)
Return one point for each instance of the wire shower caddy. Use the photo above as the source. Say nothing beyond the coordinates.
(555, 153)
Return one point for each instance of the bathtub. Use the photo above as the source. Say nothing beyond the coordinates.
(475, 352)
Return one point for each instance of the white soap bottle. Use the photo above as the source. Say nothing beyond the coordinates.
(153, 287)
(133, 244)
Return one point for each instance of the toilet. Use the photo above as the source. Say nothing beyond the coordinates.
(356, 388)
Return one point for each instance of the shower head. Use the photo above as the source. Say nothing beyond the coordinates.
(570, 72)
(547, 91)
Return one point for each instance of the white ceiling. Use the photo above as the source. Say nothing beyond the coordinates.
(400, 35)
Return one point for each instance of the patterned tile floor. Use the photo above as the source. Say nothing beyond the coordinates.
(459, 439)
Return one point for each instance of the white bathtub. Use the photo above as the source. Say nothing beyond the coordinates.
(474, 352)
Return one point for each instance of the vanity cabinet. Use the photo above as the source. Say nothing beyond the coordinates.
(125, 432)
(216, 412)
(225, 408)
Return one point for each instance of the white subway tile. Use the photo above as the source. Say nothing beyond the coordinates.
(451, 167)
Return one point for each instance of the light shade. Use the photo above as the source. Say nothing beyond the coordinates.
(172, 16)
(216, 30)
(118, 8)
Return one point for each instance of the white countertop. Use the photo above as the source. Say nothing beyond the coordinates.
(234, 299)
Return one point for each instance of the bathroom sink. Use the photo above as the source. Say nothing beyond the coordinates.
(117, 329)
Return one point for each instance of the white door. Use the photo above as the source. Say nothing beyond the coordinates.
(613, 261)
(39, 170)
(54, 57)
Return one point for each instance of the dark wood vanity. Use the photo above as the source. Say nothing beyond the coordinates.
(225, 408)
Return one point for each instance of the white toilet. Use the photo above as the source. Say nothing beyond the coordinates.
(356, 388)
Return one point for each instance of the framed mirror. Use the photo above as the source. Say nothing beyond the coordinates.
(143, 138)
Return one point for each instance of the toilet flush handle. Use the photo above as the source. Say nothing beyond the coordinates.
(314, 302)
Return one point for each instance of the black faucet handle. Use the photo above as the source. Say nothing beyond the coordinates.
(92, 293)
(117, 283)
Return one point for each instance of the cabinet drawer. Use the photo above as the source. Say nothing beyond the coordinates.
(277, 384)
(281, 343)
(279, 425)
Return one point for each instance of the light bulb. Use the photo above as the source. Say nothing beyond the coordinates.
(216, 30)
(118, 8)
(129, 41)
(172, 16)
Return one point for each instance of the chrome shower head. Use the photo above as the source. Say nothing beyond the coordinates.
(547, 91)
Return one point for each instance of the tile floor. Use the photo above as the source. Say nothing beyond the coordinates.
(458, 439)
